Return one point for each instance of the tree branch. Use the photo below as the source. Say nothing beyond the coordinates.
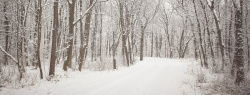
(8, 54)
(156, 10)
(82, 15)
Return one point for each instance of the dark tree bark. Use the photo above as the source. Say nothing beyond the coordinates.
(122, 9)
(114, 49)
(142, 42)
(54, 37)
(68, 62)
(6, 26)
(230, 37)
(238, 54)
(81, 39)
(20, 66)
(130, 52)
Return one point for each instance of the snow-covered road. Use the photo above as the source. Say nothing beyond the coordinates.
(153, 76)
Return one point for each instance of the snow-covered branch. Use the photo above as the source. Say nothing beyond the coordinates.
(82, 15)
(8, 54)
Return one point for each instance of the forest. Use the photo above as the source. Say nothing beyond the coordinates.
(44, 36)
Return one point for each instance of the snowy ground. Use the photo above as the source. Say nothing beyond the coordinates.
(153, 76)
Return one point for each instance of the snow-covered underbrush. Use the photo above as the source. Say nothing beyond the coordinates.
(212, 82)
(105, 64)
(10, 77)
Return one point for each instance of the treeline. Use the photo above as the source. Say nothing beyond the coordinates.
(72, 33)
(221, 34)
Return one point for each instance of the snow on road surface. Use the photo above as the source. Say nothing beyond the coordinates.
(153, 76)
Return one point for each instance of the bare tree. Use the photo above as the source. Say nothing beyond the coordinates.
(200, 38)
(144, 25)
(218, 28)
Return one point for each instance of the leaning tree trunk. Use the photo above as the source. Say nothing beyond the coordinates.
(199, 29)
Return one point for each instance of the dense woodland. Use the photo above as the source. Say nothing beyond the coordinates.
(108, 34)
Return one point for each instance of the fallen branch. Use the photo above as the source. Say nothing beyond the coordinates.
(8, 54)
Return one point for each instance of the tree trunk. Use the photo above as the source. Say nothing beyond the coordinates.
(100, 51)
(181, 44)
(130, 51)
(84, 43)
(6, 26)
(18, 43)
(200, 38)
(247, 38)
(142, 41)
(238, 55)
(114, 60)
(54, 38)
(218, 28)
(165, 49)
(230, 37)
(93, 43)
(156, 45)
(195, 43)
(152, 44)
(39, 27)
(68, 62)
(208, 33)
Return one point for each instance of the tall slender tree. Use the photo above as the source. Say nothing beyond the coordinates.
(6, 26)
(54, 38)
(39, 26)
(84, 44)
(68, 62)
